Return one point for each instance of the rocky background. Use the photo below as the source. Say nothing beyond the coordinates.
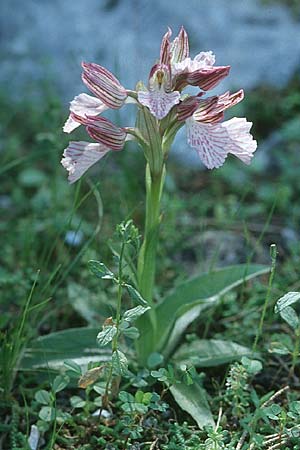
(45, 40)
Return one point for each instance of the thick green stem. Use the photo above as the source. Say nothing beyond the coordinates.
(147, 256)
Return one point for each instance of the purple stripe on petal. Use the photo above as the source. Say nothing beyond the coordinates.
(104, 85)
(165, 48)
(78, 157)
(180, 47)
(213, 142)
(159, 102)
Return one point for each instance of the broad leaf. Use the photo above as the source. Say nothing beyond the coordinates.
(192, 399)
(135, 295)
(75, 344)
(100, 270)
(290, 316)
(189, 299)
(132, 314)
(119, 363)
(210, 352)
(106, 335)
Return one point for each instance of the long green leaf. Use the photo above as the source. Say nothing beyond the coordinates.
(192, 399)
(210, 352)
(75, 344)
(189, 299)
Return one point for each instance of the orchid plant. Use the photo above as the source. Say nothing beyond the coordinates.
(162, 110)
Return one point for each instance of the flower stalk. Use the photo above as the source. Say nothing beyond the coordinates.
(147, 257)
(162, 109)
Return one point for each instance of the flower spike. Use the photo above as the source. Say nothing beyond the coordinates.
(163, 110)
(104, 85)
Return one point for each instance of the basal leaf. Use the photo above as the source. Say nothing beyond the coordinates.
(192, 399)
(210, 352)
(189, 299)
(290, 316)
(75, 344)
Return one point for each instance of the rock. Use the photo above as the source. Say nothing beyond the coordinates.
(47, 40)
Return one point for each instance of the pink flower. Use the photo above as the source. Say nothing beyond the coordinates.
(207, 133)
(78, 157)
(213, 139)
(177, 70)
(158, 98)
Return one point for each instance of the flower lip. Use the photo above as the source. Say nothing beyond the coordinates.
(78, 157)
(214, 141)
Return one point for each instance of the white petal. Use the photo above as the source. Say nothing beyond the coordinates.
(70, 125)
(242, 144)
(206, 59)
(213, 142)
(83, 105)
(78, 157)
(159, 102)
(203, 60)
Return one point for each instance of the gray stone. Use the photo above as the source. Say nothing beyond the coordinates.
(45, 41)
(48, 39)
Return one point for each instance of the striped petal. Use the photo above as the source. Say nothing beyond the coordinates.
(78, 157)
(159, 102)
(213, 142)
(103, 130)
(188, 106)
(205, 79)
(211, 109)
(180, 47)
(165, 48)
(83, 104)
(102, 83)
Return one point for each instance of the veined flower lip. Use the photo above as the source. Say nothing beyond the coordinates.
(78, 157)
(214, 141)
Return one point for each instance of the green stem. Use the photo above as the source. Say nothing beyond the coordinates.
(119, 299)
(118, 319)
(147, 256)
(273, 252)
(296, 351)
